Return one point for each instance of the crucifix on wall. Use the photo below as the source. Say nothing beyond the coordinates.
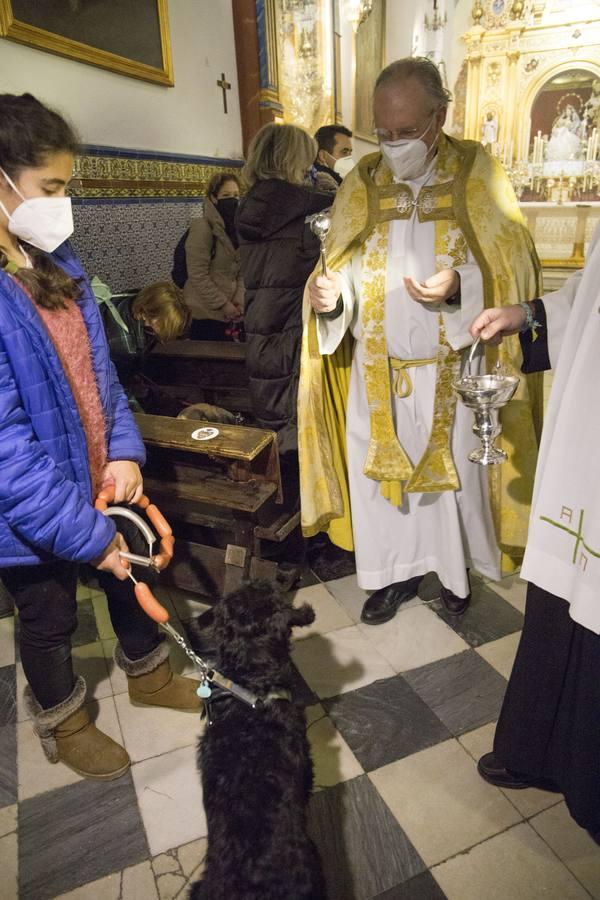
(225, 86)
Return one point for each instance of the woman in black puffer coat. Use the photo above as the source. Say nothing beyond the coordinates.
(278, 253)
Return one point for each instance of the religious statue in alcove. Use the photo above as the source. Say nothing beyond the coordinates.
(567, 133)
(489, 131)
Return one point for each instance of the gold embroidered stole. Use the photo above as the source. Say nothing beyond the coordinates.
(387, 461)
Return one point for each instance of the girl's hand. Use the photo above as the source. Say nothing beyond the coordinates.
(110, 560)
(127, 479)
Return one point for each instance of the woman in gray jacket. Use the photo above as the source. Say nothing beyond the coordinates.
(214, 290)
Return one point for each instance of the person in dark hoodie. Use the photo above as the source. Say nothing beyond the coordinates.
(278, 253)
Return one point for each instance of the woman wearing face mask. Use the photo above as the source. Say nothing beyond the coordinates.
(65, 432)
(214, 290)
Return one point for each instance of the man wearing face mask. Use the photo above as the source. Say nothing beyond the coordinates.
(334, 156)
(425, 233)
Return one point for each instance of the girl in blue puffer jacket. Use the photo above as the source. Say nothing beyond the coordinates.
(65, 432)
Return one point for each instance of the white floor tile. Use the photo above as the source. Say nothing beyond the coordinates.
(572, 844)
(9, 856)
(441, 802)
(152, 730)
(333, 760)
(510, 866)
(501, 653)
(340, 661)
(170, 799)
(7, 641)
(349, 595)
(414, 637)
(8, 819)
(329, 615)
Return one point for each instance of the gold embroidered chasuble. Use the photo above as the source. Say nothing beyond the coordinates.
(472, 205)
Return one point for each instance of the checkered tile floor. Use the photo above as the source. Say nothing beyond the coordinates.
(397, 716)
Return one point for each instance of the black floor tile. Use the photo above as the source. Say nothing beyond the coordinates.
(464, 691)
(77, 834)
(329, 562)
(300, 690)
(385, 721)
(363, 849)
(488, 617)
(423, 887)
(8, 695)
(7, 605)
(87, 630)
(8, 765)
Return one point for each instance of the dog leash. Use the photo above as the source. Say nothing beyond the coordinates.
(153, 608)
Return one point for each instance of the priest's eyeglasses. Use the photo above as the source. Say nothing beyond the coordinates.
(402, 134)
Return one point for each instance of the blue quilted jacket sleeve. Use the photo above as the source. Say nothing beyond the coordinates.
(124, 440)
(47, 510)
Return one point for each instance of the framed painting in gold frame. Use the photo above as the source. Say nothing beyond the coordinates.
(130, 37)
(370, 56)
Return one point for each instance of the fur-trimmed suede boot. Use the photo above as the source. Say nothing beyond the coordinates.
(68, 735)
(152, 682)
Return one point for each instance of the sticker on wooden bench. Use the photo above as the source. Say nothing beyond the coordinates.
(204, 434)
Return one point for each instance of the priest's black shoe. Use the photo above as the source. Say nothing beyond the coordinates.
(454, 605)
(491, 769)
(383, 604)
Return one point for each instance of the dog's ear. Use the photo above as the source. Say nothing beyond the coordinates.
(301, 615)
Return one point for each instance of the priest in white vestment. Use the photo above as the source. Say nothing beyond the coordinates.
(548, 734)
(407, 292)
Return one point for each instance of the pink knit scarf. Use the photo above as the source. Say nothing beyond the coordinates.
(69, 335)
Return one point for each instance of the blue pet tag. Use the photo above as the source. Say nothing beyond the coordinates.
(204, 690)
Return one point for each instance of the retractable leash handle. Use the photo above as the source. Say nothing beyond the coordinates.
(147, 600)
(143, 592)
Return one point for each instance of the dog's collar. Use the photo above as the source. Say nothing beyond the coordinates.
(220, 697)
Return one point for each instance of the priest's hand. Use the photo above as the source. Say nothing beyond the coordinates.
(492, 325)
(436, 289)
(323, 292)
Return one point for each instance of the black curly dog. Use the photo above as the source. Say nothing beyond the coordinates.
(256, 768)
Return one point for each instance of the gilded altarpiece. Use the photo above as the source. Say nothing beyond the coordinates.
(533, 72)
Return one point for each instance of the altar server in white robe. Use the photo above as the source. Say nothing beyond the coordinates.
(407, 291)
(548, 734)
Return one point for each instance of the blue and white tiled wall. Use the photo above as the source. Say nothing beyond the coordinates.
(131, 208)
(129, 244)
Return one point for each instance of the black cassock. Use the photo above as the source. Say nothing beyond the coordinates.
(549, 726)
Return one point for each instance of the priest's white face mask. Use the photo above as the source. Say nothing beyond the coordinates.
(409, 158)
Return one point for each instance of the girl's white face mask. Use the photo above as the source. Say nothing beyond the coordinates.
(43, 222)
(408, 159)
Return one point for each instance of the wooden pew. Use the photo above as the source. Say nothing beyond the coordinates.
(202, 372)
(223, 498)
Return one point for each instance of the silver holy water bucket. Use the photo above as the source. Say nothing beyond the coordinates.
(485, 395)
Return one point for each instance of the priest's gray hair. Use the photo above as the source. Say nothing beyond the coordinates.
(423, 70)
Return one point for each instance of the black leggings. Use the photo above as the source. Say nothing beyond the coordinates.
(45, 596)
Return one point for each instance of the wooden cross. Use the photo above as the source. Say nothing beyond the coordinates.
(225, 86)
